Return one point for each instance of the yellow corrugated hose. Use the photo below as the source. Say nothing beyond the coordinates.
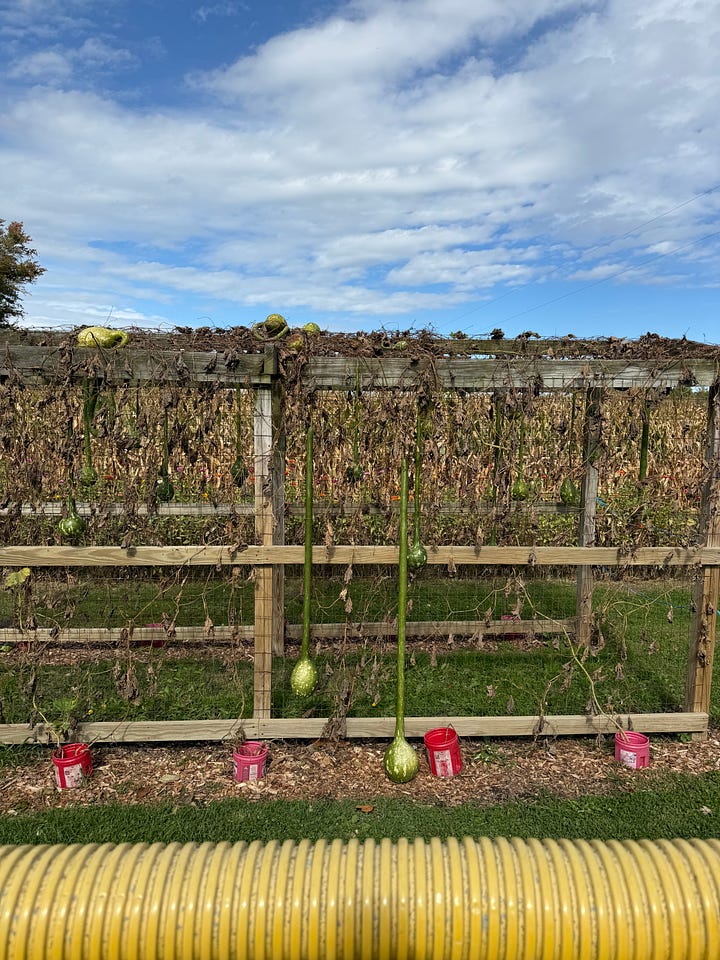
(447, 900)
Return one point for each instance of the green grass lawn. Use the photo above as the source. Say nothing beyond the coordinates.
(637, 665)
(677, 806)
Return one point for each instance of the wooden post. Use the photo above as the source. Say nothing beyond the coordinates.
(592, 429)
(707, 587)
(269, 530)
(277, 480)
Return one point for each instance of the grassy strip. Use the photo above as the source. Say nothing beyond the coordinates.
(682, 806)
(638, 664)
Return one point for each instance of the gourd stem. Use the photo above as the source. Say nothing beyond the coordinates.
(238, 423)
(307, 568)
(416, 485)
(402, 603)
(644, 439)
(89, 402)
(356, 417)
(165, 458)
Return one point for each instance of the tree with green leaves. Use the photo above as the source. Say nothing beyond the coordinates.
(18, 266)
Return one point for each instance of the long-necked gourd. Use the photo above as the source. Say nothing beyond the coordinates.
(304, 676)
(400, 759)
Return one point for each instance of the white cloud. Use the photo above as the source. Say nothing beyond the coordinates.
(226, 8)
(45, 65)
(391, 147)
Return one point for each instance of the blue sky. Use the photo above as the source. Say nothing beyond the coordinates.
(545, 165)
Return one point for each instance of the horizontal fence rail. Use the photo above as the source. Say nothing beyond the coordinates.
(40, 365)
(145, 635)
(311, 728)
(343, 555)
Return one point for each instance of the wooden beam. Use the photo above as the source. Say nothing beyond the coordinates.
(42, 365)
(277, 492)
(56, 364)
(383, 373)
(179, 731)
(705, 594)
(344, 554)
(154, 636)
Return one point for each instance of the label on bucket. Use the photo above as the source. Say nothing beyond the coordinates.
(72, 775)
(629, 758)
(443, 763)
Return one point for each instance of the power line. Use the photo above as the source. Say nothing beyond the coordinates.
(614, 276)
(597, 246)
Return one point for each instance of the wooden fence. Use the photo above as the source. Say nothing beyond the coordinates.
(494, 369)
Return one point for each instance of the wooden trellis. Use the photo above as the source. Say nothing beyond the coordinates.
(492, 366)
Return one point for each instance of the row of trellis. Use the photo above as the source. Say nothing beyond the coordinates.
(483, 366)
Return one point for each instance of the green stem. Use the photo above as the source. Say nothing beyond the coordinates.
(238, 422)
(402, 603)
(499, 402)
(644, 440)
(356, 417)
(90, 395)
(307, 568)
(416, 485)
(165, 457)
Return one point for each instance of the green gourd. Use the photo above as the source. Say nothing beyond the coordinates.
(73, 525)
(570, 493)
(102, 337)
(304, 676)
(273, 327)
(401, 760)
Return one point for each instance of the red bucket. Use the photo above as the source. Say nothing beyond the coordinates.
(632, 749)
(72, 763)
(250, 760)
(443, 749)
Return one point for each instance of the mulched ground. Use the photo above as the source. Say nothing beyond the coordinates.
(493, 772)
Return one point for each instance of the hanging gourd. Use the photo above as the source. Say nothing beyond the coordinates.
(238, 471)
(105, 339)
(73, 525)
(304, 676)
(355, 472)
(400, 759)
(164, 489)
(417, 555)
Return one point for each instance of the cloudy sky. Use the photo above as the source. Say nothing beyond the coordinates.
(546, 165)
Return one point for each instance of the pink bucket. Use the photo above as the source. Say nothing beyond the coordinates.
(443, 749)
(250, 760)
(632, 749)
(72, 763)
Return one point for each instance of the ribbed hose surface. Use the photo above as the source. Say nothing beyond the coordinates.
(494, 899)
